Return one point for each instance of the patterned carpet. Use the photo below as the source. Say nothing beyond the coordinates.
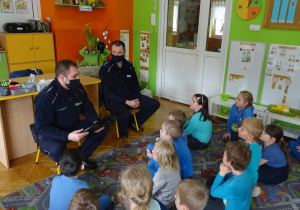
(105, 178)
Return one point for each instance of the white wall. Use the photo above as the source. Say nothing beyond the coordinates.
(16, 17)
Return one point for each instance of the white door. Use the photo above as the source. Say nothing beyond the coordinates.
(192, 48)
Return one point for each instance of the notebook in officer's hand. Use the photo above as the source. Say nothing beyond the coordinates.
(99, 124)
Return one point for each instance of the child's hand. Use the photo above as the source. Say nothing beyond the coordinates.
(298, 148)
(227, 135)
(224, 169)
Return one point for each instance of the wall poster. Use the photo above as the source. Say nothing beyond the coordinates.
(144, 56)
(21, 6)
(124, 36)
(7, 6)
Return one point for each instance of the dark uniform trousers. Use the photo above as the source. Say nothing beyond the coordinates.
(55, 147)
(148, 107)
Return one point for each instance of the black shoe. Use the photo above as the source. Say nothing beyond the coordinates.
(111, 206)
(133, 126)
(89, 165)
(123, 135)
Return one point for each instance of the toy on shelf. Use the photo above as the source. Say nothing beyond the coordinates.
(285, 110)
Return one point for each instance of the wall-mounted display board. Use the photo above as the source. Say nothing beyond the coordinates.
(282, 76)
(244, 67)
(283, 14)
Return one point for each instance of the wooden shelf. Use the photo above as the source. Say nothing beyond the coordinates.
(58, 3)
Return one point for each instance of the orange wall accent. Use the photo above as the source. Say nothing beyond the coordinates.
(67, 25)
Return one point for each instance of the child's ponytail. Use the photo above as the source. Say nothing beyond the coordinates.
(277, 133)
(203, 100)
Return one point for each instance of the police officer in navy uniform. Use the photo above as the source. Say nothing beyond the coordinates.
(57, 109)
(121, 90)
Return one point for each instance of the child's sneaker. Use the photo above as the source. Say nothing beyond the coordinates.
(149, 153)
(256, 192)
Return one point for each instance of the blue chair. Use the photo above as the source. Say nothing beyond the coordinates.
(25, 73)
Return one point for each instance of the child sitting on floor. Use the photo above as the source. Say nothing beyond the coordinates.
(240, 110)
(231, 188)
(84, 199)
(191, 195)
(173, 115)
(295, 148)
(274, 165)
(171, 131)
(167, 177)
(199, 128)
(250, 130)
(65, 185)
(136, 190)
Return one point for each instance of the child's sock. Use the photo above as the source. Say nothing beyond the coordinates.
(256, 192)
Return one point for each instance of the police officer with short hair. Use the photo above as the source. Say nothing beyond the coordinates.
(57, 109)
(121, 89)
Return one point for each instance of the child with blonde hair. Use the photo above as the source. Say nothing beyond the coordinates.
(199, 128)
(171, 131)
(191, 195)
(240, 110)
(250, 131)
(84, 199)
(167, 177)
(274, 164)
(136, 190)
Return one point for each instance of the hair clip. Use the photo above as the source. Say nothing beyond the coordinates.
(282, 139)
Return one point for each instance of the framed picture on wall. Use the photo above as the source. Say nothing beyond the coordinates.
(21, 6)
(7, 6)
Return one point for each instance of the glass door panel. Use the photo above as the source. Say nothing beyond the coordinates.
(182, 23)
(215, 26)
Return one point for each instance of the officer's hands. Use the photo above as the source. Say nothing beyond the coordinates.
(133, 103)
(76, 135)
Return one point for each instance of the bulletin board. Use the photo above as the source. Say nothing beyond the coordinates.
(283, 14)
(282, 76)
(244, 67)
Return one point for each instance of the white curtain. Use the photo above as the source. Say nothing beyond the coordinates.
(218, 9)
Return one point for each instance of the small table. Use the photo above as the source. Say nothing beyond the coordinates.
(17, 113)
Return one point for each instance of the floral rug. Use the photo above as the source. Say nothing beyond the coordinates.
(206, 163)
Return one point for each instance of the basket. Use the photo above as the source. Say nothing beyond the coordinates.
(292, 112)
(224, 97)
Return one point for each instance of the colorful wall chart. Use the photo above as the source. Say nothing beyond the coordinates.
(244, 67)
(124, 36)
(282, 14)
(144, 56)
(282, 76)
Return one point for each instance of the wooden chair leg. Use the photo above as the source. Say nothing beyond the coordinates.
(117, 128)
(37, 155)
(136, 124)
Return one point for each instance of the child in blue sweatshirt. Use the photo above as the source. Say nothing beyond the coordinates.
(250, 130)
(231, 188)
(240, 110)
(171, 131)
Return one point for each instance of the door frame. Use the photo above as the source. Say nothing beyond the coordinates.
(202, 27)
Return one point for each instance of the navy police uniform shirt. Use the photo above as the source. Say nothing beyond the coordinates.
(119, 84)
(57, 110)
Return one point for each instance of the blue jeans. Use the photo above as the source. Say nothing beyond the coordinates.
(104, 201)
(293, 146)
(55, 147)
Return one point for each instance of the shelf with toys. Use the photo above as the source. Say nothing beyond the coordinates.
(96, 4)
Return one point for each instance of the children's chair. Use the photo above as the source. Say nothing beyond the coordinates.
(35, 138)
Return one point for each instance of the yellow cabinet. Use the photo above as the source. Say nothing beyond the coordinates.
(29, 50)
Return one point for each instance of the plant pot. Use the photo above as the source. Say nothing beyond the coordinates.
(101, 47)
(90, 49)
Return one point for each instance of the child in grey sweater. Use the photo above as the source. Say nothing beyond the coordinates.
(168, 176)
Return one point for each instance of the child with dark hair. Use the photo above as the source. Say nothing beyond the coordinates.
(231, 188)
(84, 199)
(199, 128)
(171, 131)
(66, 185)
(274, 165)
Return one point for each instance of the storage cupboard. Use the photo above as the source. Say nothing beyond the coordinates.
(29, 50)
